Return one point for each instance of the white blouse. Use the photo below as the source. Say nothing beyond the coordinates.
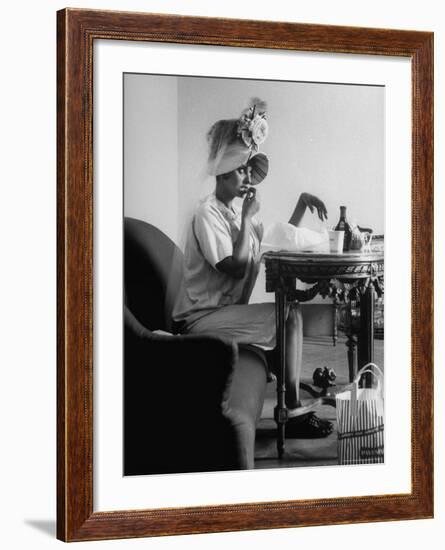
(210, 239)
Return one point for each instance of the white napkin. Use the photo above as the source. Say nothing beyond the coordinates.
(284, 236)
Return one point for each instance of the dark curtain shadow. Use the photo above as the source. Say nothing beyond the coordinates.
(47, 526)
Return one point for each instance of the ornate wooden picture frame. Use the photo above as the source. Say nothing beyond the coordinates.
(77, 32)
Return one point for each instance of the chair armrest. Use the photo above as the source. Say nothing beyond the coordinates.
(200, 364)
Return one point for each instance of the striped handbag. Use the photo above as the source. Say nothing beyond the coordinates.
(360, 421)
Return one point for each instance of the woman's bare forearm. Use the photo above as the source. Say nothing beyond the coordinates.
(314, 204)
(298, 213)
(236, 265)
(241, 248)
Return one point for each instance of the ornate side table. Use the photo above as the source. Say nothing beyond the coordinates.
(345, 277)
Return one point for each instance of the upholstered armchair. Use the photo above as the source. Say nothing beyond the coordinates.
(191, 403)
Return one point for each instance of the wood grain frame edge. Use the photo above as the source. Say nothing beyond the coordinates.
(61, 305)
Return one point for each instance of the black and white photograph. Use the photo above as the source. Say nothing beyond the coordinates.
(222, 275)
(253, 222)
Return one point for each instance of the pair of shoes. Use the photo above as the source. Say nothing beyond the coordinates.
(308, 426)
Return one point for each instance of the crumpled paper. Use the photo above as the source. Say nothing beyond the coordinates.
(281, 236)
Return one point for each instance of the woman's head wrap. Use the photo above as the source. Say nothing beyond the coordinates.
(235, 142)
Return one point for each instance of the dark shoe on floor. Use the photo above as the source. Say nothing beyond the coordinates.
(308, 426)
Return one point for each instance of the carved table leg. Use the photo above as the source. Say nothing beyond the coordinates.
(366, 334)
(280, 409)
(334, 325)
(351, 344)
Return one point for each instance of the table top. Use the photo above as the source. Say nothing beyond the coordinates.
(313, 266)
(352, 256)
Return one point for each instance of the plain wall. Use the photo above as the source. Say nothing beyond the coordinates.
(150, 127)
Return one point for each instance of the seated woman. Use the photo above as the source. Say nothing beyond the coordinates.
(222, 257)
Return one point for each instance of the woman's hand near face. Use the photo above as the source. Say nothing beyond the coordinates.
(251, 205)
(236, 265)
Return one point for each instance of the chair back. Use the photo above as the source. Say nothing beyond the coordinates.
(152, 273)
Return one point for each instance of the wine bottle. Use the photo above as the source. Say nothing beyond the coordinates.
(343, 225)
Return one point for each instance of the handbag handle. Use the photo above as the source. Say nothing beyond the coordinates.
(378, 375)
(354, 386)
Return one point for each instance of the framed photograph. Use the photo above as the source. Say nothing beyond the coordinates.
(245, 229)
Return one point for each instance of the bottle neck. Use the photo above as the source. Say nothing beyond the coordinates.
(343, 213)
